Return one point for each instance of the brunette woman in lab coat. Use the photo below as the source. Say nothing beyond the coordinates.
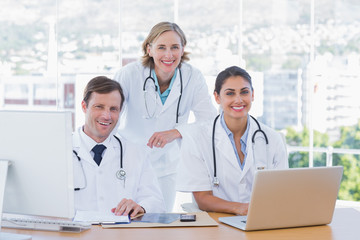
(225, 186)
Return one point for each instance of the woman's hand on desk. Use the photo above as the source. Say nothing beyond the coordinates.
(127, 206)
(160, 139)
(208, 202)
(241, 208)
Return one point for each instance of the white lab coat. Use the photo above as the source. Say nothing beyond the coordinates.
(196, 168)
(137, 128)
(104, 191)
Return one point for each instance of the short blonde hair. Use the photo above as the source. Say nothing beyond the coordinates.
(154, 34)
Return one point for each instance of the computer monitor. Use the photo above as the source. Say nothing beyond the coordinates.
(40, 176)
(3, 175)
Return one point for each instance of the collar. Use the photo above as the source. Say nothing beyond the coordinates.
(89, 143)
(167, 91)
(244, 137)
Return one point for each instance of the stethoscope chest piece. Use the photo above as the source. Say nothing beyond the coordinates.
(121, 174)
(216, 182)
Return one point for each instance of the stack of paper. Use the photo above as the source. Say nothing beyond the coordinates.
(95, 217)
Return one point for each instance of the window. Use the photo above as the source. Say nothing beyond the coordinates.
(303, 56)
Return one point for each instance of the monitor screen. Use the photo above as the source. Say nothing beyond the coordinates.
(40, 177)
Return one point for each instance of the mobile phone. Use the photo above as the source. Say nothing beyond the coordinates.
(187, 217)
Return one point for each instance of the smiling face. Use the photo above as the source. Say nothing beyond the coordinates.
(101, 114)
(235, 97)
(166, 51)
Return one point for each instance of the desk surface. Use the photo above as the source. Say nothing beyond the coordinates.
(345, 226)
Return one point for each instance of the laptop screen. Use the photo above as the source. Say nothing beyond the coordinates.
(292, 198)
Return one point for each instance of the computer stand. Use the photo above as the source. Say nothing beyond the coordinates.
(4, 164)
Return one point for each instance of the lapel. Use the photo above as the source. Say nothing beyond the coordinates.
(111, 151)
(81, 149)
(224, 148)
(86, 156)
(250, 155)
(174, 94)
(159, 105)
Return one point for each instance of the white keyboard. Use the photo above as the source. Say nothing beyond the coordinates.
(44, 224)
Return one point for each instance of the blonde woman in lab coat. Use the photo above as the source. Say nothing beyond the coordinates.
(159, 94)
(225, 185)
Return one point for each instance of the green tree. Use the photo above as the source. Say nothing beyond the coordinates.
(349, 139)
(301, 159)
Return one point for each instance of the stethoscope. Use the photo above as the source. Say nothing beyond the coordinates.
(156, 89)
(216, 181)
(120, 174)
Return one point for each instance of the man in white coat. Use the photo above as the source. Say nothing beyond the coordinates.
(110, 174)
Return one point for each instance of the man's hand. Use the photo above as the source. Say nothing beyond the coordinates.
(126, 207)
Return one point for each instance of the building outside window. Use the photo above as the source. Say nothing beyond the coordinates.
(304, 57)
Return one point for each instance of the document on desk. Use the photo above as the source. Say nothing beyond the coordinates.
(202, 220)
(164, 218)
(95, 217)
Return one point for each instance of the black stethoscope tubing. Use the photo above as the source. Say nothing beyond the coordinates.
(121, 164)
(156, 89)
(216, 180)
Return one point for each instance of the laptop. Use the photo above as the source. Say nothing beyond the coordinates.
(294, 197)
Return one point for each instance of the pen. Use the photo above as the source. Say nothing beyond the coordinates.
(113, 223)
